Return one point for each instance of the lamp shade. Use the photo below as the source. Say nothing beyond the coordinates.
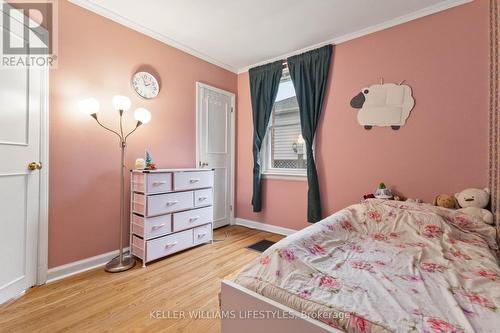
(142, 115)
(89, 106)
(121, 103)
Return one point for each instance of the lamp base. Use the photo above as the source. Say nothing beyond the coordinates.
(115, 266)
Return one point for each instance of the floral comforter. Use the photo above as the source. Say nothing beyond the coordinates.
(387, 266)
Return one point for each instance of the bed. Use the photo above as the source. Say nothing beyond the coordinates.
(377, 266)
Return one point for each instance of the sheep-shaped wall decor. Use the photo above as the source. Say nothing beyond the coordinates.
(382, 104)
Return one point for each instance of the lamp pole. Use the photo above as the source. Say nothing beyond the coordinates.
(91, 106)
(120, 263)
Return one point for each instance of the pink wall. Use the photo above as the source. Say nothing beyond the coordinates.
(443, 147)
(97, 58)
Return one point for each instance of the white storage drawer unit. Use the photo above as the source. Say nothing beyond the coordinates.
(171, 210)
(151, 227)
(163, 246)
(152, 205)
(203, 197)
(170, 202)
(152, 183)
(192, 218)
(202, 234)
(193, 180)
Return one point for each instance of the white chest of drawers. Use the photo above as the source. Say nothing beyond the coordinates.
(171, 210)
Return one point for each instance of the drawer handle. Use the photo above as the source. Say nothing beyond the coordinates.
(171, 203)
(158, 226)
(202, 235)
(202, 198)
(194, 218)
(170, 244)
(163, 182)
(194, 180)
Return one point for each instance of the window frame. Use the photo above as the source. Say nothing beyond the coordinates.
(278, 173)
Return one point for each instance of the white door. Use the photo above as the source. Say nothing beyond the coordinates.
(215, 146)
(20, 105)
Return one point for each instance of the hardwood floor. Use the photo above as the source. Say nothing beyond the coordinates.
(96, 301)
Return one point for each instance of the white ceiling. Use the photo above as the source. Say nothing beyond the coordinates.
(237, 34)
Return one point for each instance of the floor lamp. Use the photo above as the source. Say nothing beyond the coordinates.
(121, 103)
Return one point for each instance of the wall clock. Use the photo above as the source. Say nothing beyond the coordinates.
(145, 84)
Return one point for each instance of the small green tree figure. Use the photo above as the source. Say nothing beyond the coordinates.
(380, 186)
(148, 159)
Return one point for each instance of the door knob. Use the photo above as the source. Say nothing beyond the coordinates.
(203, 164)
(34, 166)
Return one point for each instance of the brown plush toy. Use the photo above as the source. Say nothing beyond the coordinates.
(445, 201)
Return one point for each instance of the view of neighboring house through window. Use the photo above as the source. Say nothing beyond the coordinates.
(283, 149)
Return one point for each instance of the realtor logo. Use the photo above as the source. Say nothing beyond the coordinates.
(28, 33)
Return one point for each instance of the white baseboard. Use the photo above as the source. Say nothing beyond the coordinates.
(219, 224)
(264, 226)
(63, 271)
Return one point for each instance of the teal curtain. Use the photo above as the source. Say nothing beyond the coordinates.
(264, 83)
(309, 73)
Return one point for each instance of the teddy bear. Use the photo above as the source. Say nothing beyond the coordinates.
(473, 201)
(445, 201)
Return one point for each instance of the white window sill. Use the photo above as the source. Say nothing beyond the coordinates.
(284, 176)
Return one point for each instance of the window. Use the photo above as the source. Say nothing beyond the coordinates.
(283, 150)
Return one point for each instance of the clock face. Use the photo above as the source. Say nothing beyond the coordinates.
(145, 85)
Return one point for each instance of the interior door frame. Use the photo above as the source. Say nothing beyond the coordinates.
(43, 218)
(200, 85)
(42, 226)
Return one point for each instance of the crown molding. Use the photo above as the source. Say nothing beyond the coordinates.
(95, 8)
(369, 30)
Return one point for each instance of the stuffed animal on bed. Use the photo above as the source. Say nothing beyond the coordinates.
(445, 201)
(473, 201)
